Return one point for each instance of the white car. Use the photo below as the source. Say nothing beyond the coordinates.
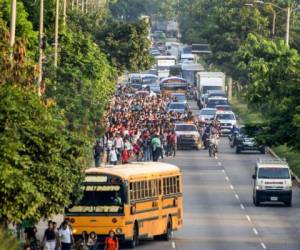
(272, 182)
(206, 114)
(226, 119)
(187, 136)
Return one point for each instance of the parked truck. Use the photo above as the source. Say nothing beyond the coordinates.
(208, 81)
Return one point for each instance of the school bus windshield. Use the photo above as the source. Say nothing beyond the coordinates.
(101, 199)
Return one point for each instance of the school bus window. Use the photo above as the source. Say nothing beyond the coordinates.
(178, 184)
(146, 189)
(159, 187)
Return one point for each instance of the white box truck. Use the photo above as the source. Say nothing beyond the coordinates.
(208, 81)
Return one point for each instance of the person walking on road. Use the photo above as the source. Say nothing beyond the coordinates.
(113, 157)
(49, 238)
(92, 241)
(66, 237)
(97, 153)
(111, 242)
(156, 146)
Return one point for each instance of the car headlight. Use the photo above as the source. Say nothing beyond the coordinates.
(287, 188)
(259, 187)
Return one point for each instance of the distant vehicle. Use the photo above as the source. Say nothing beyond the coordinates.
(173, 84)
(245, 140)
(163, 64)
(214, 93)
(212, 102)
(178, 107)
(187, 58)
(223, 108)
(208, 81)
(179, 97)
(189, 72)
(155, 52)
(149, 79)
(206, 114)
(155, 88)
(226, 119)
(187, 136)
(272, 182)
(172, 48)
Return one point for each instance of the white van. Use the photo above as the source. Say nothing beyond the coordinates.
(272, 182)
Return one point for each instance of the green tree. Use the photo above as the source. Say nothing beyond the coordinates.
(84, 82)
(273, 73)
(40, 160)
(126, 45)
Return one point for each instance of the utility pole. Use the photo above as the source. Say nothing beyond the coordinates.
(41, 44)
(288, 20)
(274, 23)
(56, 33)
(13, 14)
(65, 12)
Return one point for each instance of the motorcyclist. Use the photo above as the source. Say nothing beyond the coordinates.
(214, 141)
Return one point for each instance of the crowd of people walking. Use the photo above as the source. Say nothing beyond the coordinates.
(138, 128)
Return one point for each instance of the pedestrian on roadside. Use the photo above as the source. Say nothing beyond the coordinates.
(65, 235)
(156, 147)
(55, 229)
(125, 156)
(97, 153)
(49, 239)
(112, 241)
(113, 157)
(26, 247)
(30, 237)
(92, 241)
(173, 144)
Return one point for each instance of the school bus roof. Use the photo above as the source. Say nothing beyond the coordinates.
(136, 170)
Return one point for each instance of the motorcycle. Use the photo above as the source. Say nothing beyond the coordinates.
(233, 139)
(213, 149)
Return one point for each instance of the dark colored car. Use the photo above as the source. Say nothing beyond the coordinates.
(245, 140)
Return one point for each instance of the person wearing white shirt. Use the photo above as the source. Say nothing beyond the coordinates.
(113, 158)
(65, 235)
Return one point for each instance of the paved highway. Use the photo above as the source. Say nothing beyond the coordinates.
(218, 209)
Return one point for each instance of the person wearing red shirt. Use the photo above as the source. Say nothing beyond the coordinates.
(111, 242)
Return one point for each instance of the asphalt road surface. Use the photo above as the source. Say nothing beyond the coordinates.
(218, 209)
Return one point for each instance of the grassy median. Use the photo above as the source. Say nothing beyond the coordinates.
(248, 116)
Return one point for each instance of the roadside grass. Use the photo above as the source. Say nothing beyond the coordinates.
(248, 116)
(293, 158)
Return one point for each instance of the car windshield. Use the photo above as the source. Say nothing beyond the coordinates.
(185, 128)
(213, 103)
(225, 117)
(273, 173)
(177, 106)
(207, 112)
(149, 80)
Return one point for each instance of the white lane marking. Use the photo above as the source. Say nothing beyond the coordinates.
(248, 217)
(242, 207)
(226, 177)
(223, 170)
(237, 197)
(219, 164)
(255, 231)
(231, 187)
(173, 244)
(263, 245)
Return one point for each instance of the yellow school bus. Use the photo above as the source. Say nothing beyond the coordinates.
(137, 200)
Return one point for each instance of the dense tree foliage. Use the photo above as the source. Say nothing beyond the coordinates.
(126, 44)
(241, 39)
(45, 142)
(273, 72)
(131, 10)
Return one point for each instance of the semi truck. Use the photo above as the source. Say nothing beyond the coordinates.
(208, 81)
